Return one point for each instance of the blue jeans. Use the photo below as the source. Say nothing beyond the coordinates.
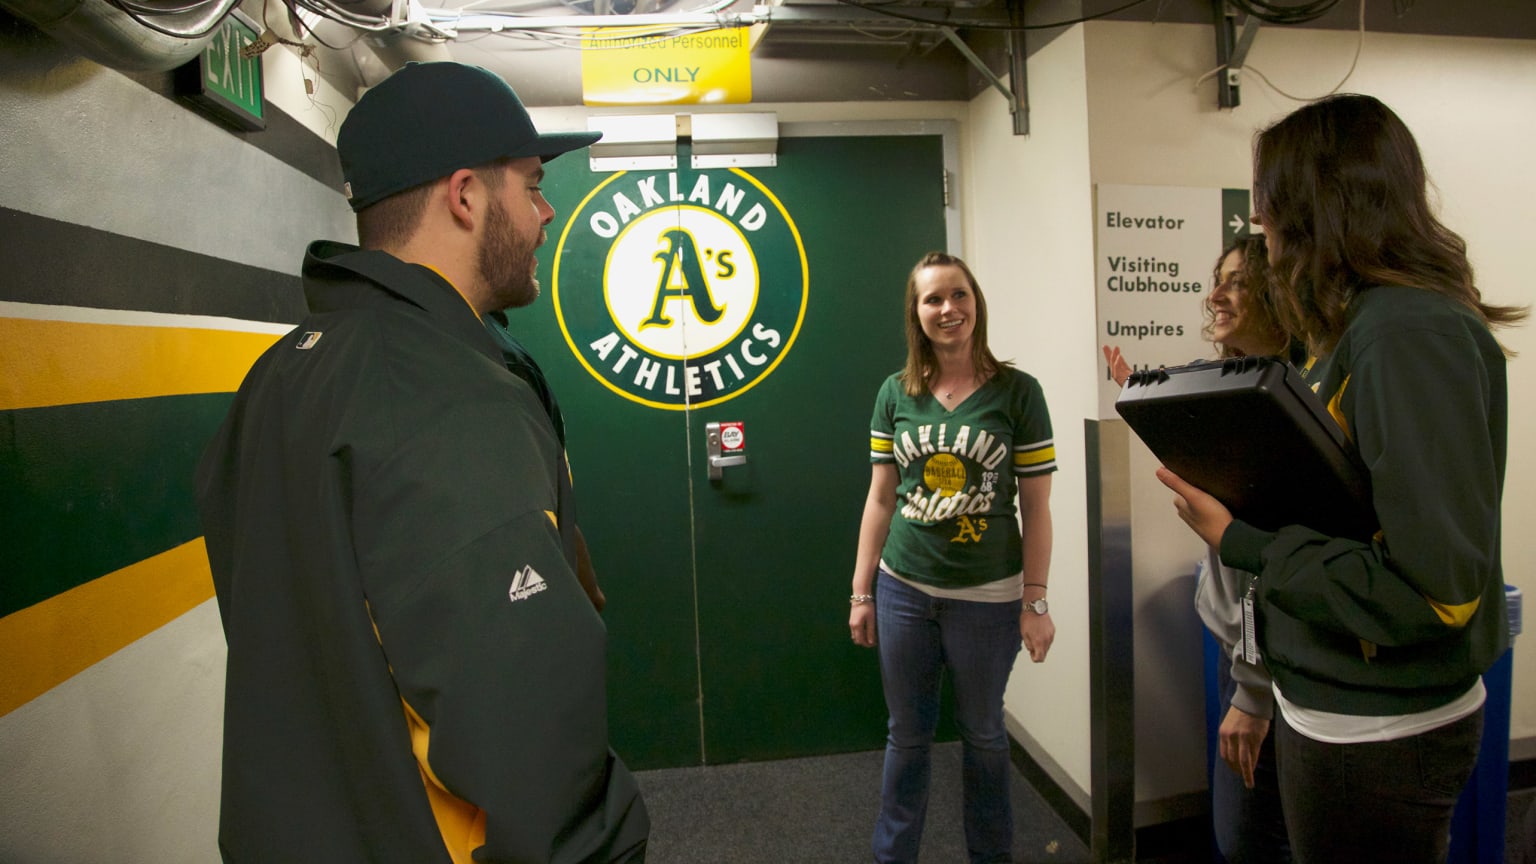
(919, 637)
(1381, 801)
(1249, 823)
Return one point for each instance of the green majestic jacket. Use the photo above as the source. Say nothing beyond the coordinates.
(1407, 622)
(414, 673)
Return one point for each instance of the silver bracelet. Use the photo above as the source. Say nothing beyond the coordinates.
(856, 599)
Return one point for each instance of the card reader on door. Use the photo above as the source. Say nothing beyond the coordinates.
(726, 444)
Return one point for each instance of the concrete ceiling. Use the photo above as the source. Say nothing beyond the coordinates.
(832, 51)
(812, 51)
(1500, 19)
(804, 50)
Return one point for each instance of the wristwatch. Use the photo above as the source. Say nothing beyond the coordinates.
(1039, 607)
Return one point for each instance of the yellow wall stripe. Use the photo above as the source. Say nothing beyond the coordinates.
(46, 644)
(68, 362)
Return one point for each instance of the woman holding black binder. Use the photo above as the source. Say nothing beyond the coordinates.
(1377, 646)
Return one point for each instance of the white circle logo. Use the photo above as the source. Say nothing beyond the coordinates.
(705, 282)
(680, 289)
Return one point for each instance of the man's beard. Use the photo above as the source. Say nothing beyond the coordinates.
(506, 262)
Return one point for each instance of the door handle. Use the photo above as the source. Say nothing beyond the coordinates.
(715, 449)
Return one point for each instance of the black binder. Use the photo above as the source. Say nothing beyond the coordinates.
(1249, 431)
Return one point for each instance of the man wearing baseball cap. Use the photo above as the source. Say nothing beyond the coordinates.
(415, 673)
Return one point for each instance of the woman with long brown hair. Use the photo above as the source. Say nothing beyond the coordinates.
(1247, 819)
(1377, 646)
(945, 581)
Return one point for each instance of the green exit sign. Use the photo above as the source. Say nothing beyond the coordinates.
(223, 83)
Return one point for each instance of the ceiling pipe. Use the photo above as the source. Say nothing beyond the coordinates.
(104, 33)
(365, 7)
(397, 49)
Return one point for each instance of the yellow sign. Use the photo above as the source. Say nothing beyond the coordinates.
(638, 66)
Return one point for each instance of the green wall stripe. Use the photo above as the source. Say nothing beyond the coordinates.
(88, 489)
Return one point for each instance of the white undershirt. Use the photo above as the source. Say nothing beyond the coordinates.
(1333, 728)
(1004, 590)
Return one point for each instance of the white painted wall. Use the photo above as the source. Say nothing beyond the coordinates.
(1028, 213)
(121, 762)
(289, 81)
(1468, 102)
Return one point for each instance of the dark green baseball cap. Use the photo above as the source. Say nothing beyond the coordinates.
(427, 120)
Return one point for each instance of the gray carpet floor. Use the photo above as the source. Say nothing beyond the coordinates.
(821, 810)
(1520, 827)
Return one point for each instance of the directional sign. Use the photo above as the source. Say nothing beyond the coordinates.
(1156, 248)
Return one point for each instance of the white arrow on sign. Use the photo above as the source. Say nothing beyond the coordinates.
(1236, 223)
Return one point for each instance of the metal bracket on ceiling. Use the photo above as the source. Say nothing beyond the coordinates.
(1231, 51)
(1018, 98)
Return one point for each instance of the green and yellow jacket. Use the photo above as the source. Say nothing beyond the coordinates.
(1408, 621)
(414, 673)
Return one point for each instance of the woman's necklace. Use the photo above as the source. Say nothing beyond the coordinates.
(950, 393)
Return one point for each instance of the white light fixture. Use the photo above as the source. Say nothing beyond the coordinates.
(639, 142)
(735, 140)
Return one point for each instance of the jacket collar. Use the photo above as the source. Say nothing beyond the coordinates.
(331, 282)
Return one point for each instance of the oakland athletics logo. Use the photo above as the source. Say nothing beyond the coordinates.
(680, 289)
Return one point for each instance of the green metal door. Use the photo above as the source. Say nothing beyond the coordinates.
(769, 297)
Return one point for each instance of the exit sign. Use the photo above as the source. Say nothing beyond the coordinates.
(223, 83)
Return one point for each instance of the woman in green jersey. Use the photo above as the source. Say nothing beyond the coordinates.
(1377, 646)
(947, 576)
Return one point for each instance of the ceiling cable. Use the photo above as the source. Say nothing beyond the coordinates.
(199, 19)
(1278, 13)
(987, 25)
(1359, 46)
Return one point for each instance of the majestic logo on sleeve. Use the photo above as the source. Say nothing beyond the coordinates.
(680, 289)
(526, 583)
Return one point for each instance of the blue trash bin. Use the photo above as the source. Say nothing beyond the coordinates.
(1477, 829)
(1210, 655)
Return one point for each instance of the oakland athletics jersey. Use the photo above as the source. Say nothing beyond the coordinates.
(954, 525)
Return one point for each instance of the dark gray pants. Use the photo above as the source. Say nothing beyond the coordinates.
(1382, 801)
